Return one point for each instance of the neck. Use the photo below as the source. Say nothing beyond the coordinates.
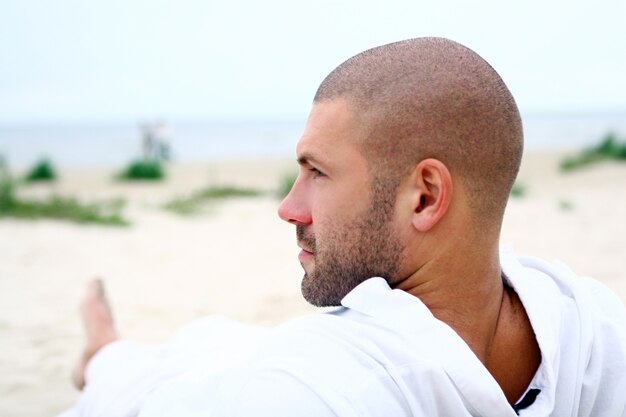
(463, 287)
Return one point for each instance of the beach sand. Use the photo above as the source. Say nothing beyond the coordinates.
(237, 259)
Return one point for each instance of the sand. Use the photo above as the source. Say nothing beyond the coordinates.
(237, 259)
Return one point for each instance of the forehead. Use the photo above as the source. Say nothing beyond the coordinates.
(332, 130)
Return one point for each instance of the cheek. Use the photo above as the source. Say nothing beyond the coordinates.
(333, 213)
(338, 201)
(324, 206)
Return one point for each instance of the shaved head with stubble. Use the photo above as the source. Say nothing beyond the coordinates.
(397, 105)
(434, 98)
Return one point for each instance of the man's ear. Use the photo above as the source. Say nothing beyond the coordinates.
(432, 193)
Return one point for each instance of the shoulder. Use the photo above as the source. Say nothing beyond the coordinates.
(272, 392)
(330, 349)
(592, 299)
(349, 363)
(315, 365)
(536, 278)
(580, 325)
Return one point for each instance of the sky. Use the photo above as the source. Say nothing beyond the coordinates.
(78, 61)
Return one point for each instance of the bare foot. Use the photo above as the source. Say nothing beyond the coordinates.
(99, 328)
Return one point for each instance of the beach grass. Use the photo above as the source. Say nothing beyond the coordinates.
(194, 203)
(63, 208)
(566, 205)
(143, 170)
(609, 148)
(56, 207)
(43, 170)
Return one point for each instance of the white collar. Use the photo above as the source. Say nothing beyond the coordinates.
(408, 315)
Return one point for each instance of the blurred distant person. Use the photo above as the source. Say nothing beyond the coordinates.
(154, 142)
(406, 164)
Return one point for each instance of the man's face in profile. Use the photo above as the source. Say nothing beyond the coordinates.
(343, 228)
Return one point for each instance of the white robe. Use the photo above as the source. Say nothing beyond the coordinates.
(382, 354)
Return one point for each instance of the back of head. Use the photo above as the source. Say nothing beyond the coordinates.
(434, 98)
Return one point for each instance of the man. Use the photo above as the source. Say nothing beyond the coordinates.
(406, 163)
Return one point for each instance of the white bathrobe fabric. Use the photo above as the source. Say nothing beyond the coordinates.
(382, 354)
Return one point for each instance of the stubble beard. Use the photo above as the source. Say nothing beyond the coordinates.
(349, 254)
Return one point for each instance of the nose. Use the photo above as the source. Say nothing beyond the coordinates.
(295, 207)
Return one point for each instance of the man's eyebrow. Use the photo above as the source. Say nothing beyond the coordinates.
(307, 158)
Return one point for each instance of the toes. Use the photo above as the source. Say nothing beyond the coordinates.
(95, 287)
(78, 376)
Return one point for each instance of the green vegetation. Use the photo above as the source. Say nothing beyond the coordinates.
(192, 204)
(518, 190)
(55, 207)
(65, 209)
(7, 194)
(7, 187)
(566, 205)
(143, 170)
(286, 183)
(609, 148)
(43, 170)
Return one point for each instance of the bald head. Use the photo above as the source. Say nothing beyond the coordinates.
(434, 98)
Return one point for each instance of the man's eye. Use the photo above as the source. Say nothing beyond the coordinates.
(316, 172)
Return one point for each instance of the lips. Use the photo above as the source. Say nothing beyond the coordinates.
(305, 239)
(305, 249)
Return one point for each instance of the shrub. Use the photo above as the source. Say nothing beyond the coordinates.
(143, 170)
(43, 170)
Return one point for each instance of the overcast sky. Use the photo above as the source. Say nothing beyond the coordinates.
(123, 60)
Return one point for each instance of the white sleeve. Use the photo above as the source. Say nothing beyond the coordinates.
(278, 394)
(604, 382)
(124, 374)
(239, 394)
(118, 379)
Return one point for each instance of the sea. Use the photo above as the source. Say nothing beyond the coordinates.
(115, 144)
